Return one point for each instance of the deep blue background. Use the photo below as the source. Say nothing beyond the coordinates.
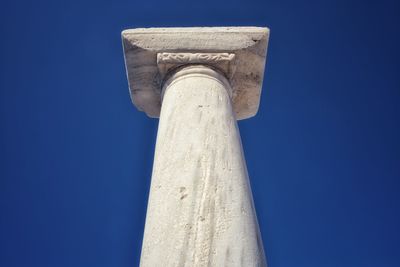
(323, 152)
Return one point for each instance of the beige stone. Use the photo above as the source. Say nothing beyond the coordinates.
(248, 44)
(200, 210)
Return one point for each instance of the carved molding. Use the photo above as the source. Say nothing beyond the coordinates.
(193, 57)
(146, 77)
(222, 61)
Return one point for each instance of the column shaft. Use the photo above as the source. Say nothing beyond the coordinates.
(200, 210)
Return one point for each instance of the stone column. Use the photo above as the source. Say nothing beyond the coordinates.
(200, 210)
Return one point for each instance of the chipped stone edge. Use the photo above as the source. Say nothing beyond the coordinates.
(141, 47)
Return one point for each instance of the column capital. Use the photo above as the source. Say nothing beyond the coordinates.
(237, 52)
(224, 62)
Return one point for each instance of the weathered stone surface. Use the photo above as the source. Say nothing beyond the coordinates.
(247, 44)
(200, 211)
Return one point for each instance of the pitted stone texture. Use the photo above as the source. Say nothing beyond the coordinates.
(249, 44)
(200, 210)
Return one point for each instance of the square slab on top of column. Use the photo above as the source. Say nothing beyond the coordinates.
(248, 44)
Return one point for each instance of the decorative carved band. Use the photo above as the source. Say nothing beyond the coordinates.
(190, 58)
(222, 61)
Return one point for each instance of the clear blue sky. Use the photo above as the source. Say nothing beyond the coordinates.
(323, 152)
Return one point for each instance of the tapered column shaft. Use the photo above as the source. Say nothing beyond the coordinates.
(200, 210)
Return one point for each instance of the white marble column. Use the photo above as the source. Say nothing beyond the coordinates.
(200, 210)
